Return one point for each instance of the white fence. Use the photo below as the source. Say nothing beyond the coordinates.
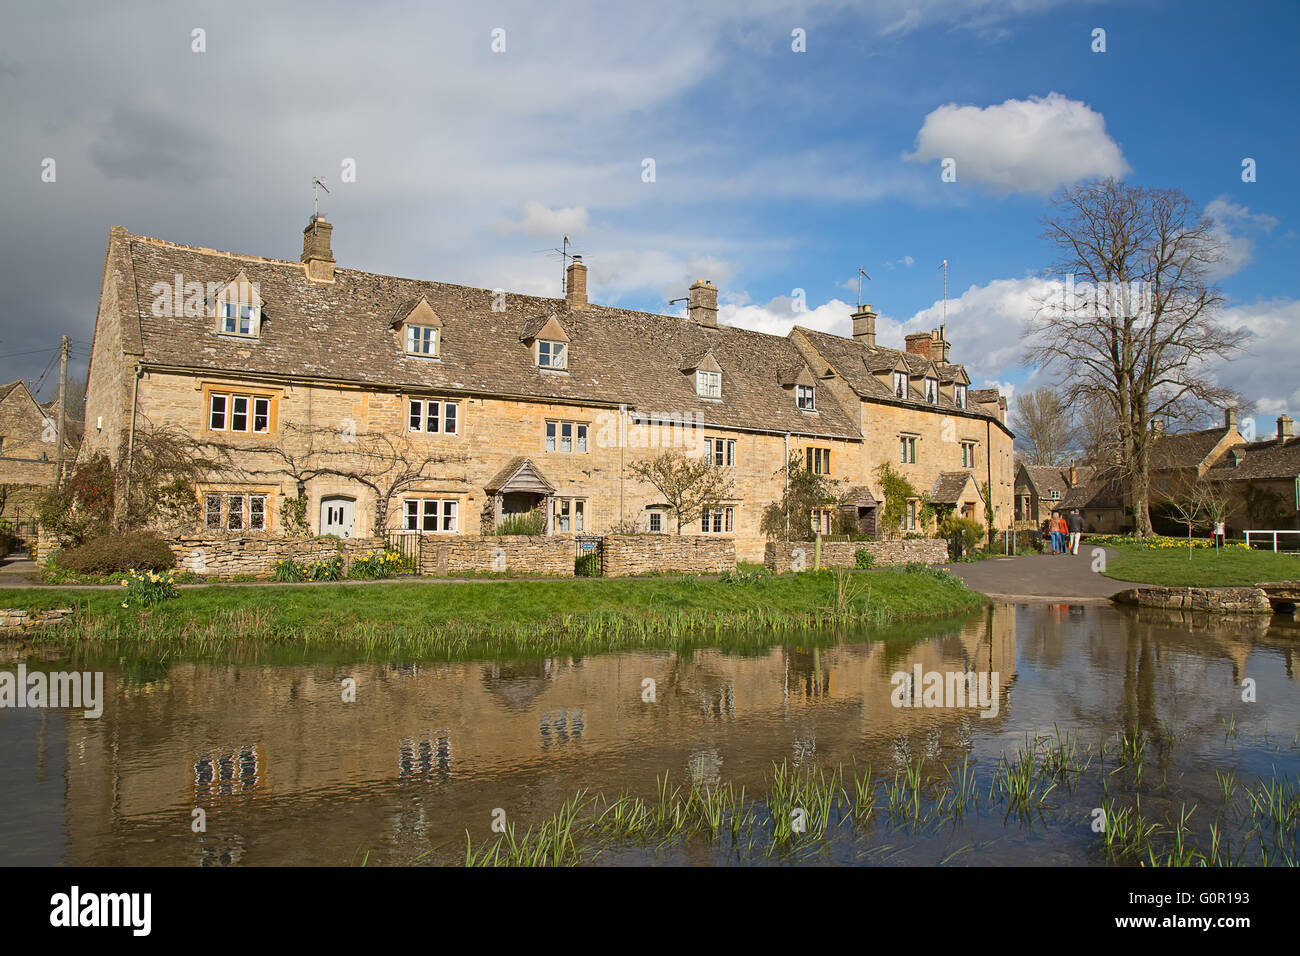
(1266, 536)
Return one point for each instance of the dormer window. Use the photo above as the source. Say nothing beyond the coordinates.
(932, 390)
(805, 397)
(238, 319)
(708, 384)
(551, 354)
(421, 340)
(900, 384)
(961, 395)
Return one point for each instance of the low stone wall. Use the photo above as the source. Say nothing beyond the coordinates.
(19, 619)
(226, 556)
(782, 556)
(1224, 600)
(631, 554)
(518, 554)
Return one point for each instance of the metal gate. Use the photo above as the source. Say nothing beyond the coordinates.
(410, 545)
(589, 561)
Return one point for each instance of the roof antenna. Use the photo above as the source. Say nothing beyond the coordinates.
(317, 185)
(943, 321)
(860, 275)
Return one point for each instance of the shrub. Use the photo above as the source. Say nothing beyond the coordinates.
(970, 531)
(147, 588)
(114, 553)
(82, 507)
(529, 522)
(863, 558)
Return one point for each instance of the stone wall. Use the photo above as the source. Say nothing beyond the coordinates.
(12, 618)
(516, 554)
(630, 554)
(780, 556)
(1226, 600)
(225, 556)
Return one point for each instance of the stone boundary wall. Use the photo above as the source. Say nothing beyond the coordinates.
(225, 556)
(20, 619)
(517, 554)
(632, 554)
(1225, 600)
(779, 556)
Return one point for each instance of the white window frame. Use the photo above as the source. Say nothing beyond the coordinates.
(569, 515)
(968, 454)
(423, 340)
(567, 437)
(805, 397)
(653, 517)
(421, 412)
(721, 451)
(552, 354)
(233, 317)
(708, 384)
(900, 385)
(442, 513)
(251, 405)
(907, 449)
(960, 393)
(718, 520)
(932, 390)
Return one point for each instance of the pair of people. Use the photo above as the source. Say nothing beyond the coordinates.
(1065, 532)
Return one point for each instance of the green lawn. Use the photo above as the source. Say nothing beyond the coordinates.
(1207, 568)
(474, 618)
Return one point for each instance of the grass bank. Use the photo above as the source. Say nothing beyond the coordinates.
(1168, 565)
(479, 618)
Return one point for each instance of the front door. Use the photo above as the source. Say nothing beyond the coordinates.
(336, 516)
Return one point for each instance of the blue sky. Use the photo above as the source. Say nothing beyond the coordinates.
(774, 170)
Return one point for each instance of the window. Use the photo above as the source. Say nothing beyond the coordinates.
(433, 515)
(722, 451)
(932, 390)
(805, 397)
(819, 460)
(910, 519)
(569, 514)
(708, 384)
(968, 454)
(567, 437)
(432, 417)
(907, 449)
(656, 522)
(552, 355)
(1054, 494)
(821, 521)
(239, 413)
(961, 395)
(238, 319)
(234, 512)
(421, 340)
(717, 520)
(900, 384)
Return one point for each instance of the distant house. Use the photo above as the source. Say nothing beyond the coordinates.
(1040, 489)
(28, 454)
(1264, 480)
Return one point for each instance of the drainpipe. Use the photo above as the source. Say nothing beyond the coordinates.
(130, 444)
(988, 461)
(787, 484)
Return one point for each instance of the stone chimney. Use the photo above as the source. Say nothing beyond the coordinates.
(575, 285)
(940, 346)
(1074, 476)
(704, 303)
(864, 326)
(316, 254)
(1284, 428)
(1229, 418)
(920, 344)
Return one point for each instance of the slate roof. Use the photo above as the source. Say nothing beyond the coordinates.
(949, 486)
(856, 363)
(1100, 492)
(341, 331)
(1184, 449)
(1260, 459)
(1048, 478)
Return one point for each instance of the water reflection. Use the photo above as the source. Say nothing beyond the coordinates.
(289, 773)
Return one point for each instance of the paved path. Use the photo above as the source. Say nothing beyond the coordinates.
(1042, 577)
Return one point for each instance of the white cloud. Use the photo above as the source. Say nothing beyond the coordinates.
(1236, 228)
(906, 262)
(778, 316)
(540, 220)
(1264, 371)
(1029, 146)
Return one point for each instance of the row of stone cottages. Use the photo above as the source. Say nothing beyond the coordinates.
(384, 403)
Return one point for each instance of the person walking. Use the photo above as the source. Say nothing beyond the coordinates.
(1058, 533)
(1218, 534)
(1075, 524)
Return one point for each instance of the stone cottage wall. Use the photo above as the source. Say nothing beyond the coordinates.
(629, 554)
(780, 556)
(517, 554)
(225, 556)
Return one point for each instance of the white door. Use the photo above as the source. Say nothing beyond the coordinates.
(336, 516)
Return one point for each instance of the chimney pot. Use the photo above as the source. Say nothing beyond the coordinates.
(864, 326)
(703, 303)
(317, 257)
(1284, 428)
(575, 285)
(1229, 418)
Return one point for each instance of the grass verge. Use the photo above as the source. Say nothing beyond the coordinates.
(1231, 567)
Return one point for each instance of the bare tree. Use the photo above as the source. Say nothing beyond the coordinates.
(1144, 332)
(1042, 424)
(688, 484)
(1215, 503)
(1097, 430)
